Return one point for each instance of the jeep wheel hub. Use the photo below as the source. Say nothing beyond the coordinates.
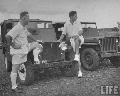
(89, 59)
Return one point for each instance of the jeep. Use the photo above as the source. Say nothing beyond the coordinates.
(98, 44)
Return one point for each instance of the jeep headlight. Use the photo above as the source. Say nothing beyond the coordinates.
(116, 40)
(99, 41)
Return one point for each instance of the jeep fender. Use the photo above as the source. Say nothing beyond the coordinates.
(95, 46)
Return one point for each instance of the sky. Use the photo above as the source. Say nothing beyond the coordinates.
(104, 12)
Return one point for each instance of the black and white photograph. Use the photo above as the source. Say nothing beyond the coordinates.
(59, 47)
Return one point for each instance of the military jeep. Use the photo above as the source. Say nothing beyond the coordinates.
(98, 44)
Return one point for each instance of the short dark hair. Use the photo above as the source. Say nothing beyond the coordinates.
(22, 14)
(72, 13)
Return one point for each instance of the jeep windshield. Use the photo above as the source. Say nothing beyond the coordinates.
(88, 24)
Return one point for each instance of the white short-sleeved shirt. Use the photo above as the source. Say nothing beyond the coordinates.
(71, 30)
(19, 34)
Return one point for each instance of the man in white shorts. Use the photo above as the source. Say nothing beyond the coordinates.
(19, 46)
(73, 30)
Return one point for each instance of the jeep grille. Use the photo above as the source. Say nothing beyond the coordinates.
(109, 44)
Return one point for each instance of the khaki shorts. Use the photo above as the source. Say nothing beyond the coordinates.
(20, 55)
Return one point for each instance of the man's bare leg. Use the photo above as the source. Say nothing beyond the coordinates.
(77, 44)
(34, 45)
(77, 55)
(37, 48)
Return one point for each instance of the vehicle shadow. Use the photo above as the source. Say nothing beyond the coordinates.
(50, 74)
(105, 64)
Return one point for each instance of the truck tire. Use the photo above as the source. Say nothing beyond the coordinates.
(89, 59)
(70, 69)
(26, 74)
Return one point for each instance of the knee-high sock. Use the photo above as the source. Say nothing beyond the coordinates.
(13, 80)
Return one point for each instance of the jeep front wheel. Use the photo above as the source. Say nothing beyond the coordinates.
(89, 59)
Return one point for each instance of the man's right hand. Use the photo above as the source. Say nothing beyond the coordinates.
(75, 36)
(16, 46)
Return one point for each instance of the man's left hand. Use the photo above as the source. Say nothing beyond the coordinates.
(75, 36)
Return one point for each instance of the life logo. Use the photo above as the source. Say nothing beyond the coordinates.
(109, 90)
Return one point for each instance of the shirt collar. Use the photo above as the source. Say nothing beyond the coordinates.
(73, 23)
(21, 25)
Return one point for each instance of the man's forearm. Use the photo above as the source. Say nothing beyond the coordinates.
(9, 42)
(61, 37)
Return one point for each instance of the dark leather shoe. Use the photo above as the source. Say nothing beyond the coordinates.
(18, 90)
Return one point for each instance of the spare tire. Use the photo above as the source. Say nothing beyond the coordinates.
(90, 59)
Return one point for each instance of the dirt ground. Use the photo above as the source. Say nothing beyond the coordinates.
(54, 84)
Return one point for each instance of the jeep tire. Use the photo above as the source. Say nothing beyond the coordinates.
(89, 59)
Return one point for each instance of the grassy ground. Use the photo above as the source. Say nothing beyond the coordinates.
(58, 85)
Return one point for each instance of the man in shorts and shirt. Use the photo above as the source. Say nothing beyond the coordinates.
(19, 46)
(73, 30)
(118, 26)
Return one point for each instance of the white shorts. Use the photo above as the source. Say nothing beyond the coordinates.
(20, 55)
(73, 42)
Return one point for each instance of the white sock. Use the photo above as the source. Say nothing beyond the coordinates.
(77, 54)
(79, 66)
(13, 80)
